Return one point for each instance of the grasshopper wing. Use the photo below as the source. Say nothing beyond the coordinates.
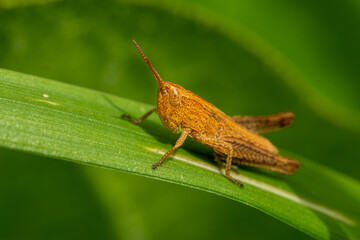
(263, 124)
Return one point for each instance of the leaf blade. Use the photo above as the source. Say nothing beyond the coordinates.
(81, 125)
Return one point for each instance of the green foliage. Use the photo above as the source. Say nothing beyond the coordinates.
(71, 123)
(253, 57)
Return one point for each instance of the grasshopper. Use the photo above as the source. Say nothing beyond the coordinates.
(234, 139)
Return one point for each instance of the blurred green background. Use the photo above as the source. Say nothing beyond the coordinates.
(247, 58)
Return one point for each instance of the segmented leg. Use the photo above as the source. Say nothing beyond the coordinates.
(141, 119)
(221, 163)
(228, 167)
(226, 149)
(179, 142)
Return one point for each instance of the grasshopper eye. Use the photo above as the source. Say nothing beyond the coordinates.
(175, 96)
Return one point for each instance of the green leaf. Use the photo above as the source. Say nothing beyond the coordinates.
(76, 124)
(92, 49)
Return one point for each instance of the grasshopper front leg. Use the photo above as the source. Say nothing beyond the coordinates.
(179, 143)
(141, 119)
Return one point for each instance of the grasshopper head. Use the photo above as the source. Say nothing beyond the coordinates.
(171, 105)
(170, 99)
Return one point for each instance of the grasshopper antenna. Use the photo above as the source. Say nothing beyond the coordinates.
(154, 72)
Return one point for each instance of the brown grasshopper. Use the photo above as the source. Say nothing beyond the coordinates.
(234, 139)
